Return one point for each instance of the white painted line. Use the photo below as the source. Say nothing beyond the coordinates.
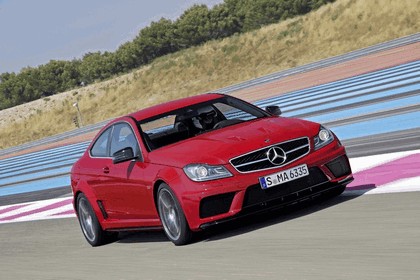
(363, 163)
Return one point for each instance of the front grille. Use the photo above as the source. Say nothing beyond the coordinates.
(216, 204)
(258, 160)
(256, 195)
(339, 167)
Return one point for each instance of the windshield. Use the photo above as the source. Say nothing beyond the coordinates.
(197, 119)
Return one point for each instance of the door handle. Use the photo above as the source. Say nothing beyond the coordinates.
(106, 170)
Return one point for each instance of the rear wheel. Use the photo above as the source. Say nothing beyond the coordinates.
(89, 223)
(172, 217)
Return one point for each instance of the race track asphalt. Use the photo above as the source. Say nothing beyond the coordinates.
(348, 237)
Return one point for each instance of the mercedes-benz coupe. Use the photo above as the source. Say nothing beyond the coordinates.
(195, 162)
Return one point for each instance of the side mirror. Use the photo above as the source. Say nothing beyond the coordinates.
(274, 110)
(123, 155)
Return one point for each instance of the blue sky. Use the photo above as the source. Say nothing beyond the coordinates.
(32, 32)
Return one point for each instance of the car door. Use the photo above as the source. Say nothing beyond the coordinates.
(97, 169)
(126, 195)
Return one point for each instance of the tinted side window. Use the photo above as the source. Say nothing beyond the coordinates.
(123, 137)
(100, 148)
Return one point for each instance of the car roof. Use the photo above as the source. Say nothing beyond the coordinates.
(173, 105)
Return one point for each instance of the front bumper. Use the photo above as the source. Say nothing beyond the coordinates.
(283, 201)
(213, 202)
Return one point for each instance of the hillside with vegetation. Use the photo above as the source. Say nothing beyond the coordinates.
(333, 29)
(195, 26)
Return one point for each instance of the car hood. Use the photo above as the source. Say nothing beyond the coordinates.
(219, 146)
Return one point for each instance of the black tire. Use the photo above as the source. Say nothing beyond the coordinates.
(172, 216)
(89, 224)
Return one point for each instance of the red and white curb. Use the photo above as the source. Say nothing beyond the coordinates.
(386, 173)
(37, 210)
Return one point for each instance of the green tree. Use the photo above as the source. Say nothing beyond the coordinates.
(155, 40)
(127, 56)
(192, 27)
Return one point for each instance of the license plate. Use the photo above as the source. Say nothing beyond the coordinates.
(284, 176)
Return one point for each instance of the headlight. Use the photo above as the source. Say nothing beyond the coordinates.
(204, 172)
(323, 138)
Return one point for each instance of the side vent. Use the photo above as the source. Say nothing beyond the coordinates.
(101, 206)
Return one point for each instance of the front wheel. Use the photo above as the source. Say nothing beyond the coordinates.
(172, 217)
(89, 223)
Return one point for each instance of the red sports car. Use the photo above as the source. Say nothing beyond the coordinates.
(199, 161)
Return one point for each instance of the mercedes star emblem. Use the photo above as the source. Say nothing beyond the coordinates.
(276, 155)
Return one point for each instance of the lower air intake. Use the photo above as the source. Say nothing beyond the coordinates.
(339, 167)
(216, 204)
